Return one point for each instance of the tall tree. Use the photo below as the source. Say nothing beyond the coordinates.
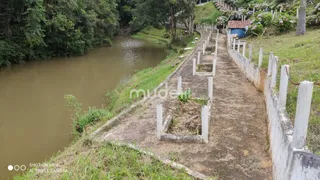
(301, 25)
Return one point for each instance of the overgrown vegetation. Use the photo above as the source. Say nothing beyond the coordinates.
(302, 54)
(34, 29)
(81, 119)
(86, 160)
(206, 14)
(185, 96)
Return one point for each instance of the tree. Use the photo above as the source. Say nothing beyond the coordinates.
(158, 13)
(301, 25)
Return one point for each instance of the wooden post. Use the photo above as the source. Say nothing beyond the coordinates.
(159, 120)
(179, 88)
(205, 124)
(199, 55)
(283, 86)
(274, 72)
(238, 50)
(260, 57)
(234, 44)
(194, 67)
(302, 114)
(250, 52)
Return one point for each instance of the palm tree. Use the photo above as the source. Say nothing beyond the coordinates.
(301, 25)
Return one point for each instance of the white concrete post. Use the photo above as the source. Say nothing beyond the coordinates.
(210, 88)
(270, 63)
(159, 120)
(194, 67)
(204, 48)
(234, 44)
(260, 57)
(199, 55)
(214, 65)
(284, 85)
(302, 114)
(217, 42)
(205, 124)
(244, 49)
(274, 72)
(250, 52)
(238, 50)
(179, 88)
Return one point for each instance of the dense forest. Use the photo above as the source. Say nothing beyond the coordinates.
(39, 29)
(34, 29)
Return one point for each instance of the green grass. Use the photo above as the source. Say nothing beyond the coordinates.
(206, 12)
(303, 55)
(154, 35)
(88, 161)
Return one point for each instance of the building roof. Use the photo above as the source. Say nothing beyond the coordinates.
(238, 24)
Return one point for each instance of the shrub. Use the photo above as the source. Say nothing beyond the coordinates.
(265, 18)
(256, 29)
(80, 118)
(284, 23)
(185, 96)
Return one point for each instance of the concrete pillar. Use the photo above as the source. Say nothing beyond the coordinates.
(159, 120)
(244, 49)
(214, 66)
(274, 72)
(238, 50)
(194, 67)
(284, 78)
(271, 56)
(234, 44)
(250, 52)
(205, 124)
(204, 48)
(302, 114)
(199, 56)
(260, 57)
(210, 88)
(179, 88)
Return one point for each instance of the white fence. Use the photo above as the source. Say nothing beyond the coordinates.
(291, 158)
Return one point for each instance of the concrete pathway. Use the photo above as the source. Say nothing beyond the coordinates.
(238, 146)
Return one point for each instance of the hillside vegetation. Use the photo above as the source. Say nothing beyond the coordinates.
(206, 14)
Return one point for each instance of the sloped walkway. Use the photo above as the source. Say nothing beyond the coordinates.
(238, 146)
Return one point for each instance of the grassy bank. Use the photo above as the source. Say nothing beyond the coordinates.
(303, 55)
(207, 13)
(85, 160)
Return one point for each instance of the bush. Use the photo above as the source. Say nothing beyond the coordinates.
(284, 23)
(256, 29)
(80, 118)
(92, 116)
(265, 19)
(10, 52)
(185, 96)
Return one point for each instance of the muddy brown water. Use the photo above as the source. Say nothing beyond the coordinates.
(34, 120)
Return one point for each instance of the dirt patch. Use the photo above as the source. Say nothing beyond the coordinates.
(186, 117)
(210, 48)
(204, 68)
